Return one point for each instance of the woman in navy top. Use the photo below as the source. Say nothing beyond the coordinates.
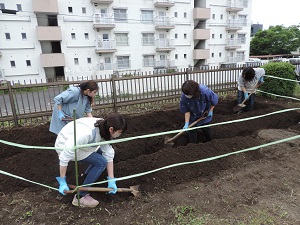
(197, 100)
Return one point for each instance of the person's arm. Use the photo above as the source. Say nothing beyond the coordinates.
(63, 171)
(89, 114)
(110, 169)
(187, 117)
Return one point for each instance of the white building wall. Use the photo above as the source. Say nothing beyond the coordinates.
(220, 35)
(81, 58)
(18, 49)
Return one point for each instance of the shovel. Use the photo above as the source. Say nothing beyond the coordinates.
(168, 140)
(133, 189)
(241, 105)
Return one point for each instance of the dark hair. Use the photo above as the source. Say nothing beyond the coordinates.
(191, 87)
(91, 85)
(114, 120)
(248, 73)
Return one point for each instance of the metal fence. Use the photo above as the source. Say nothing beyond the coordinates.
(21, 104)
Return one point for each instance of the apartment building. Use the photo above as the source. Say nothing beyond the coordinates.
(55, 40)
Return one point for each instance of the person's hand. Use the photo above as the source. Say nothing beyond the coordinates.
(210, 114)
(61, 116)
(186, 125)
(63, 186)
(246, 95)
(112, 184)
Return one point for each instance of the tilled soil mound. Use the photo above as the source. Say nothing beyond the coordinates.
(133, 157)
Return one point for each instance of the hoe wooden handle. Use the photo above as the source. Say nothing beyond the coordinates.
(191, 125)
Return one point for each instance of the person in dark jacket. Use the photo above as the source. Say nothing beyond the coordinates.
(197, 100)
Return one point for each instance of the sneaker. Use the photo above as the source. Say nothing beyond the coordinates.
(85, 201)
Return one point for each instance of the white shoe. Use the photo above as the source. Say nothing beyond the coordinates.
(85, 201)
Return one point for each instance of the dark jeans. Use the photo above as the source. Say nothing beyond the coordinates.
(249, 103)
(97, 165)
(206, 132)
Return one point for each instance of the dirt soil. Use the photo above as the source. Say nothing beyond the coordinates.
(255, 187)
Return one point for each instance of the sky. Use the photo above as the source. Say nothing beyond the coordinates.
(275, 12)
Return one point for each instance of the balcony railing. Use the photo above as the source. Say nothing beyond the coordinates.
(105, 66)
(164, 3)
(167, 44)
(165, 63)
(162, 22)
(236, 23)
(102, 20)
(106, 46)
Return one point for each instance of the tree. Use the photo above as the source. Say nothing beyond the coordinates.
(276, 40)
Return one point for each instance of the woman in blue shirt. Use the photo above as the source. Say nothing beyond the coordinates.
(81, 98)
(197, 100)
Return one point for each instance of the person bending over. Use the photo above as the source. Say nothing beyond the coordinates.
(248, 82)
(89, 130)
(197, 100)
(81, 98)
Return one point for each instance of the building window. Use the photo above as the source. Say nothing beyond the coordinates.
(212, 55)
(123, 62)
(148, 39)
(213, 36)
(184, 36)
(89, 60)
(148, 60)
(120, 15)
(73, 36)
(213, 16)
(176, 36)
(7, 36)
(184, 15)
(122, 39)
(220, 54)
(70, 9)
(221, 36)
(2, 6)
(86, 36)
(184, 56)
(76, 61)
(24, 37)
(13, 64)
(176, 56)
(221, 16)
(83, 10)
(147, 16)
(19, 7)
(175, 14)
(28, 62)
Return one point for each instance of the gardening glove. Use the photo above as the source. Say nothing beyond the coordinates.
(61, 116)
(246, 95)
(210, 114)
(63, 186)
(186, 125)
(112, 184)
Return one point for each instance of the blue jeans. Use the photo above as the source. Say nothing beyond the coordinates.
(249, 103)
(97, 165)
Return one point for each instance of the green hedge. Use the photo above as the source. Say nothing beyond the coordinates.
(277, 86)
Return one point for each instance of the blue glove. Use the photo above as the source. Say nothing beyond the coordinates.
(210, 114)
(186, 125)
(112, 184)
(60, 115)
(62, 185)
(246, 95)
